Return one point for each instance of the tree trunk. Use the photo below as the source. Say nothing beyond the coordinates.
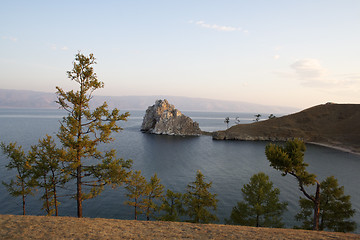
(317, 207)
(23, 203)
(23, 195)
(55, 197)
(46, 196)
(78, 192)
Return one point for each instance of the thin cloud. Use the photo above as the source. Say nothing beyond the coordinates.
(311, 73)
(217, 27)
(13, 39)
(54, 47)
(309, 69)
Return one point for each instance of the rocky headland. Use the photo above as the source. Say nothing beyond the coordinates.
(164, 118)
(332, 125)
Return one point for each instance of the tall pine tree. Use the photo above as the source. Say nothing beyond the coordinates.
(84, 129)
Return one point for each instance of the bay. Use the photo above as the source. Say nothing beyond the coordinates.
(228, 164)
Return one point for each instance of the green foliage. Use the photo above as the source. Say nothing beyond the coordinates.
(153, 191)
(47, 172)
(289, 159)
(136, 187)
(172, 205)
(336, 209)
(22, 185)
(198, 200)
(84, 129)
(261, 206)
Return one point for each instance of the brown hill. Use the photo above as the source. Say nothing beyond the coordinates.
(41, 227)
(334, 125)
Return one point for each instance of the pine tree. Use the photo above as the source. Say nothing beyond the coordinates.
(289, 159)
(23, 185)
(48, 172)
(84, 129)
(336, 209)
(198, 200)
(172, 205)
(136, 187)
(261, 206)
(153, 191)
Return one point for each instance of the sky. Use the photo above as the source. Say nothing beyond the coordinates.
(279, 52)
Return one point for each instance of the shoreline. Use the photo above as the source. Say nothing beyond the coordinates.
(339, 148)
(335, 147)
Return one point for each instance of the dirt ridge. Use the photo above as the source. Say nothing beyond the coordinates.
(44, 227)
(331, 125)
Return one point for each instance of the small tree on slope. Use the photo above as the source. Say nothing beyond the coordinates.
(261, 206)
(23, 185)
(47, 172)
(198, 200)
(335, 208)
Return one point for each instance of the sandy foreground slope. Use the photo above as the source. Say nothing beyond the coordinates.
(40, 227)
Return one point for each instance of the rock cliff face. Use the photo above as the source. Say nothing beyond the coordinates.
(163, 118)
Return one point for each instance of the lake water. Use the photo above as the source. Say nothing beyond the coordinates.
(228, 164)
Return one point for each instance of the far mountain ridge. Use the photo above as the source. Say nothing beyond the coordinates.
(35, 99)
(334, 125)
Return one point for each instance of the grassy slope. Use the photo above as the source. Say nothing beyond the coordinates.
(40, 227)
(336, 125)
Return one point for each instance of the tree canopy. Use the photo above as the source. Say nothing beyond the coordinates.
(261, 206)
(335, 208)
(23, 184)
(199, 201)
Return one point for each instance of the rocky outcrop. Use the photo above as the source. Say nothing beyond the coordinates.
(163, 118)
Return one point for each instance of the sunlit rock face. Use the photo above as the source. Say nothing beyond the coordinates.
(163, 118)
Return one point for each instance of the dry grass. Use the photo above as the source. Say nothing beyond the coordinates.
(40, 227)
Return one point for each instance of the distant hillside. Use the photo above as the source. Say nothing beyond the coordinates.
(33, 99)
(336, 125)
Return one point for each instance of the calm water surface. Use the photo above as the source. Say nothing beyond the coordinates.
(228, 164)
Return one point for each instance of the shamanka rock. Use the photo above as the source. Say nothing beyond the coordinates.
(163, 118)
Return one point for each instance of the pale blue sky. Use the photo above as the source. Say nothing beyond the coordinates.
(290, 53)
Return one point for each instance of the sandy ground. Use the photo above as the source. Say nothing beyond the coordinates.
(40, 227)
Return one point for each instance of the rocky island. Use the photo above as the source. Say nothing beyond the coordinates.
(164, 118)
